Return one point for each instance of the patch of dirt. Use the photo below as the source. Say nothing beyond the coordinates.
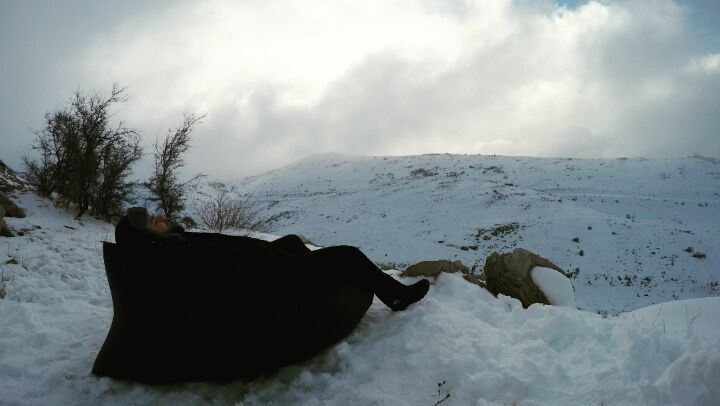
(422, 173)
(498, 231)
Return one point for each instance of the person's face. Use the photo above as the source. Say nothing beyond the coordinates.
(159, 224)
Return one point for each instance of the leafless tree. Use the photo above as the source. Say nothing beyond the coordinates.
(166, 190)
(225, 210)
(113, 188)
(84, 158)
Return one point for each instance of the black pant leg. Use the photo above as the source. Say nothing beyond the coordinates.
(346, 264)
(291, 243)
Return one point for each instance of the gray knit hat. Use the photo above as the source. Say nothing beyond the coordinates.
(133, 229)
(140, 219)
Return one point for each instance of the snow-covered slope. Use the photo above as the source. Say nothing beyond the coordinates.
(460, 341)
(633, 231)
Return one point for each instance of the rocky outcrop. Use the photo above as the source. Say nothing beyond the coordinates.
(9, 181)
(4, 229)
(509, 274)
(11, 209)
(435, 268)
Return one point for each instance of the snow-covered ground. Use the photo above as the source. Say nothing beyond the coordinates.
(460, 341)
(634, 231)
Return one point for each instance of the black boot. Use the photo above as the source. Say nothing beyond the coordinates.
(401, 298)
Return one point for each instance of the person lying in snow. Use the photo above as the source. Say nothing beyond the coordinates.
(284, 257)
(207, 306)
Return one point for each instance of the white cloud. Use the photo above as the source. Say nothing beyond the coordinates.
(707, 64)
(280, 80)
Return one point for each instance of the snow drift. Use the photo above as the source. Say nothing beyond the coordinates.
(630, 217)
(460, 341)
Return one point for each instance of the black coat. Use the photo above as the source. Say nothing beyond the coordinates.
(203, 306)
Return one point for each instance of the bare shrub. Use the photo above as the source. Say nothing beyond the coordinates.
(166, 190)
(83, 158)
(226, 210)
(188, 222)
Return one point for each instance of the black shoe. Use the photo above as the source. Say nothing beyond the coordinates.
(412, 294)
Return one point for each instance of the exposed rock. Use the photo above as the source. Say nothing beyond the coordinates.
(11, 209)
(509, 274)
(9, 181)
(4, 229)
(435, 268)
(472, 278)
(421, 173)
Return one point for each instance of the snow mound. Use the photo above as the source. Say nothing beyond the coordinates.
(692, 316)
(556, 286)
(694, 377)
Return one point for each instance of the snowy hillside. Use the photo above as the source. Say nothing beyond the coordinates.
(460, 344)
(633, 231)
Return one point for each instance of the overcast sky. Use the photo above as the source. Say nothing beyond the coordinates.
(279, 80)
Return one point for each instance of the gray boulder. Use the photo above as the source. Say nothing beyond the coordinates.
(435, 268)
(509, 274)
